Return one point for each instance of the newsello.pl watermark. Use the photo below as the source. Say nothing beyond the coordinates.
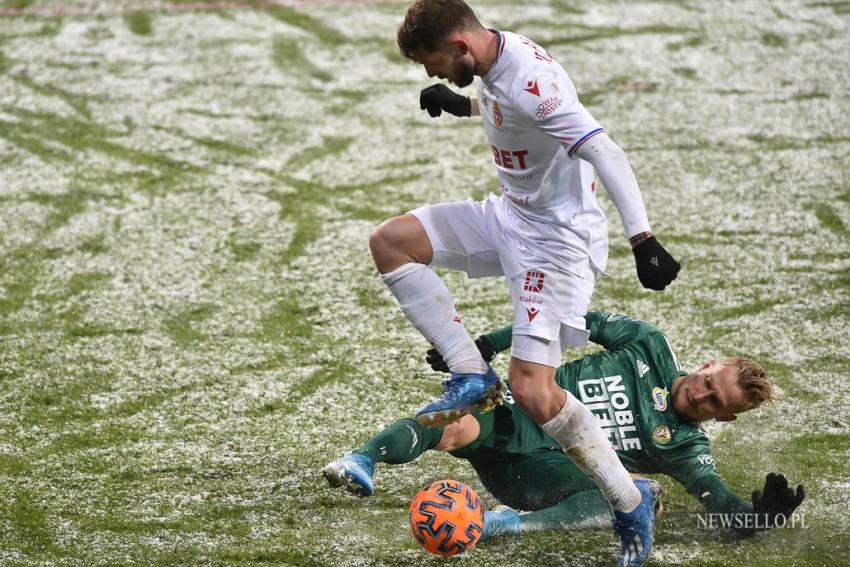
(750, 521)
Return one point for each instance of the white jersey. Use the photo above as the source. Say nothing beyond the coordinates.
(535, 125)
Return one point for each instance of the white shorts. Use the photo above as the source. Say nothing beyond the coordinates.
(549, 301)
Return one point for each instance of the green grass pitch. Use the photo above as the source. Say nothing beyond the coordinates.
(191, 326)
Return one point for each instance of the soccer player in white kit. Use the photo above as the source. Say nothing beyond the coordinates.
(545, 233)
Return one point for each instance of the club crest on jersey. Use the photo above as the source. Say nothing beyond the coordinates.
(497, 114)
(531, 87)
(659, 398)
(661, 434)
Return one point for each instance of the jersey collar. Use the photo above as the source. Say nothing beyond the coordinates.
(491, 74)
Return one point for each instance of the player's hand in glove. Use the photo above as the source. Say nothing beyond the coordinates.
(437, 98)
(656, 268)
(485, 347)
(777, 499)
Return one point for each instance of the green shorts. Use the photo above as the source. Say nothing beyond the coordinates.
(520, 465)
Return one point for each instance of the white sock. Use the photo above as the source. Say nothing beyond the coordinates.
(579, 433)
(427, 302)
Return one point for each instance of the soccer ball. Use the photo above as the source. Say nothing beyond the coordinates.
(447, 517)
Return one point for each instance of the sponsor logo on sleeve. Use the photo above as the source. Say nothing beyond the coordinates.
(659, 398)
(547, 107)
(661, 434)
(706, 460)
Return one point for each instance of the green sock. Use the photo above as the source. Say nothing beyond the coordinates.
(584, 510)
(401, 442)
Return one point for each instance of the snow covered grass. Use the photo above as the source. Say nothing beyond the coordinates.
(191, 327)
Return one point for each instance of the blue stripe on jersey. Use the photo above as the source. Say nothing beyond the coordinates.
(583, 139)
(502, 42)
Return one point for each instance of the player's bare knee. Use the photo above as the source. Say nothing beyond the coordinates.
(535, 392)
(397, 241)
(522, 389)
(527, 395)
(380, 242)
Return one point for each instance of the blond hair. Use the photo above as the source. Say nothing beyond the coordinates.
(753, 380)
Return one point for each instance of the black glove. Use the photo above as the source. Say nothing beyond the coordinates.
(656, 268)
(777, 499)
(485, 347)
(437, 98)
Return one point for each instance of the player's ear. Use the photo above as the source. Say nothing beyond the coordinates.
(731, 417)
(461, 46)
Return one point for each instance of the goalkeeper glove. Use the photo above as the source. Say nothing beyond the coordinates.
(777, 499)
(485, 347)
(437, 98)
(656, 268)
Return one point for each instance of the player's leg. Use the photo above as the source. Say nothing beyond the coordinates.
(538, 480)
(402, 252)
(549, 308)
(573, 426)
(585, 510)
(449, 235)
(401, 442)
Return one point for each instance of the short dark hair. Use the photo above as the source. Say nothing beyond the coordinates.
(429, 22)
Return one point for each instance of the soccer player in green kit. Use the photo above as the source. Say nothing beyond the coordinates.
(648, 407)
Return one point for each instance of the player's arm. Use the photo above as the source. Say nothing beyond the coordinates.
(606, 329)
(613, 331)
(770, 507)
(717, 498)
(655, 266)
(697, 473)
(609, 331)
(569, 122)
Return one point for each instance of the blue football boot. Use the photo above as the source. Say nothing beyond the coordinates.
(354, 471)
(463, 394)
(501, 521)
(635, 527)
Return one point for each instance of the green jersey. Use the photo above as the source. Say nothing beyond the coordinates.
(627, 387)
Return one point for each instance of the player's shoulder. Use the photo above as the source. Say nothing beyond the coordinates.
(525, 50)
(644, 327)
(661, 351)
(535, 76)
(656, 349)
